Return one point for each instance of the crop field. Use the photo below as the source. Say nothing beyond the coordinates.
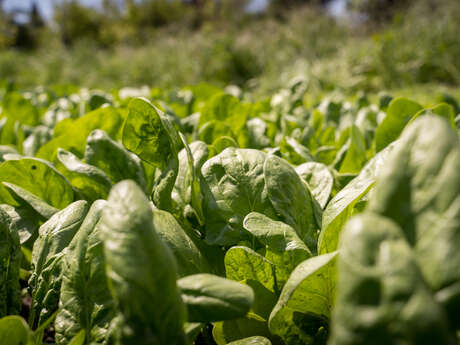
(202, 215)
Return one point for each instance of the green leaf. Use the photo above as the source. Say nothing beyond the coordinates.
(319, 179)
(234, 186)
(10, 261)
(140, 269)
(242, 264)
(443, 110)
(341, 206)
(302, 313)
(381, 295)
(187, 190)
(79, 339)
(149, 134)
(15, 331)
(11, 133)
(355, 157)
(91, 182)
(48, 251)
(210, 298)
(399, 112)
(113, 159)
(31, 201)
(108, 119)
(23, 221)
(291, 199)
(85, 303)
(283, 247)
(419, 188)
(235, 330)
(189, 258)
(37, 177)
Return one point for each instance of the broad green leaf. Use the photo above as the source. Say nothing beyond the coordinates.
(235, 185)
(291, 199)
(210, 298)
(340, 208)
(107, 119)
(37, 177)
(91, 182)
(29, 200)
(149, 134)
(10, 261)
(242, 264)
(283, 247)
(419, 188)
(382, 297)
(302, 313)
(141, 271)
(399, 112)
(48, 251)
(189, 258)
(319, 179)
(85, 303)
(15, 331)
(113, 159)
(355, 157)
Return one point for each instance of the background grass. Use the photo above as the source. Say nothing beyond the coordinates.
(418, 50)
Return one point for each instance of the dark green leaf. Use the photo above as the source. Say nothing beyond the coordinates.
(141, 271)
(210, 298)
(85, 303)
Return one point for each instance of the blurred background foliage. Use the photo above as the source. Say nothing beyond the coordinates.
(372, 44)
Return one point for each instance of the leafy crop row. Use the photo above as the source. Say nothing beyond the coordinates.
(202, 217)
